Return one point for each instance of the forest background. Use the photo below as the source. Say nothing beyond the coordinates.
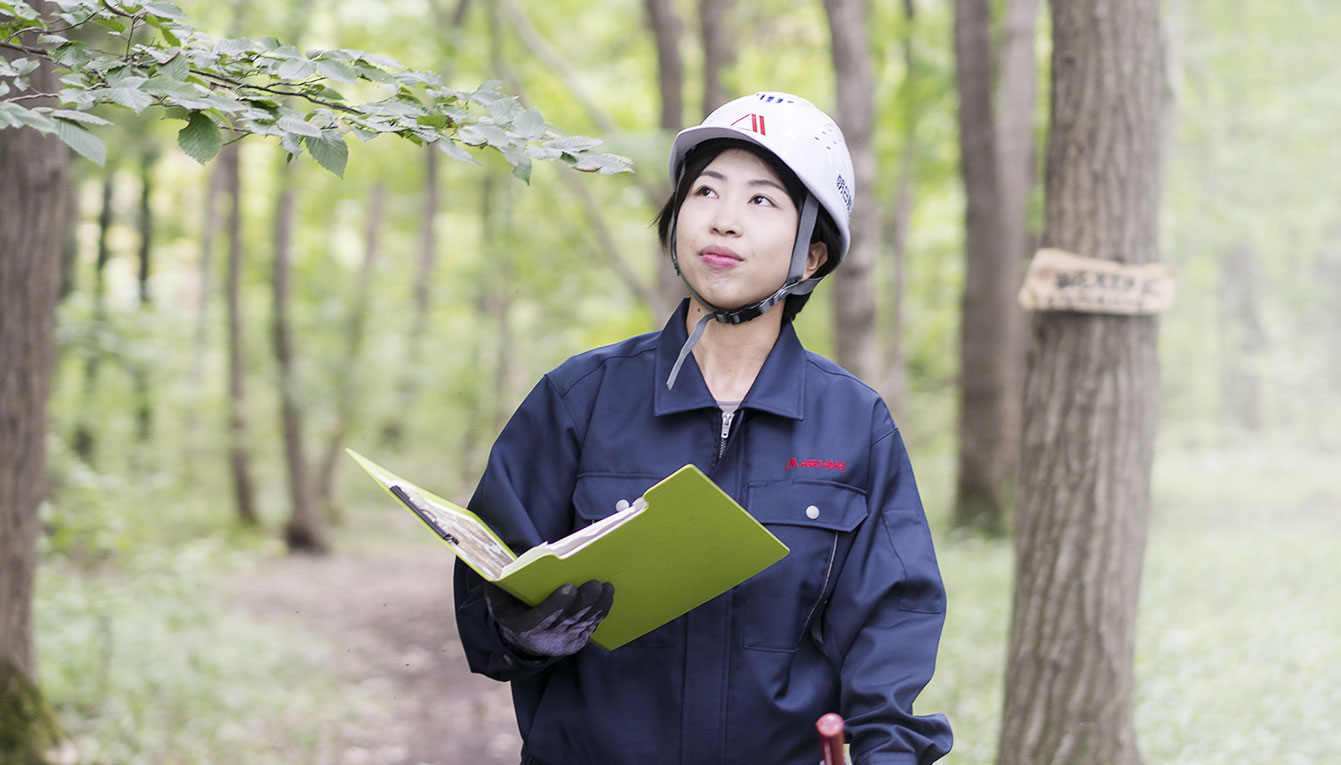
(151, 641)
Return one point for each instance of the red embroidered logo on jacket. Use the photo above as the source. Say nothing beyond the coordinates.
(821, 464)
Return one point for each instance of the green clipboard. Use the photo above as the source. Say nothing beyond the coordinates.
(683, 543)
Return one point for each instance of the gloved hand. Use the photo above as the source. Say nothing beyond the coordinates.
(559, 626)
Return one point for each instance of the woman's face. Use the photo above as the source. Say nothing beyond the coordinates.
(735, 230)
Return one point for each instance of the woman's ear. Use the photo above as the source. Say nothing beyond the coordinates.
(818, 256)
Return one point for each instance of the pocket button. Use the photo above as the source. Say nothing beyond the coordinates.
(812, 512)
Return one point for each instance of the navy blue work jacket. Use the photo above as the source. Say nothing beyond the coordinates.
(847, 622)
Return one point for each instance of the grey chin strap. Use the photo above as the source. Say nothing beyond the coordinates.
(794, 285)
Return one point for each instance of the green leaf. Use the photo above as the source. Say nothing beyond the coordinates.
(131, 98)
(291, 123)
(295, 69)
(236, 46)
(178, 68)
(482, 135)
(454, 150)
(166, 10)
(386, 62)
(530, 125)
(291, 143)
(82, 141)
(336, 70)
(522, 168)
(112, 24)
(166, 86)
(434, 120)
(34, 119)
(74, 116)
(200, 139)
(330, 151)
(572, 143)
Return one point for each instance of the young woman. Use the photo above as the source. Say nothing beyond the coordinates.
(850, 619)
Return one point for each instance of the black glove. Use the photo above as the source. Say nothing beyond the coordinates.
(559, 626)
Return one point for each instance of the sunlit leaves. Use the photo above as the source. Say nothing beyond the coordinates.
(200, 138)
(262, 86)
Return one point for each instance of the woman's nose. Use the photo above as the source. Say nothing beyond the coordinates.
(724, 221)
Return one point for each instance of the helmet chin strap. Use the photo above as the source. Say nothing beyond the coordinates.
(796, 284)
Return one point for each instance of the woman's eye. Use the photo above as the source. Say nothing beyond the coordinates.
(760, 199)
(704, 191)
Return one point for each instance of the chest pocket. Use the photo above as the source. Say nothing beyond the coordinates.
(814, 520)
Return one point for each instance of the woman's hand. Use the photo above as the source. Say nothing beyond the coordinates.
(560, 626)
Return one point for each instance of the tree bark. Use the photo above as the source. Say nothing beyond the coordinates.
(407, 390)
(205, 286)
(35, 199)
(900, 214)
(346, 394)
(856, 343)
(1090, 405)
(305, 530)
(718, 53)
(666, 29)
(996, 160)
(144, 402)
(239, 452)
(84, 441)
(1243, 337)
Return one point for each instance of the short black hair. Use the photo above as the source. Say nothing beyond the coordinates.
(701, 156)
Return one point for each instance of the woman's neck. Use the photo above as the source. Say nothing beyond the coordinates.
(729, 356)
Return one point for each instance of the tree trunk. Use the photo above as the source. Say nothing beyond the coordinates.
(717, 51)
(407, 390)
(305, 530)
(35, 199)
(1243, 337)
(205, 286)
(666, 29)
(1090, 405)
(996, 157)
(144, 403)
(900, 214)
(346, 395)
(856, 343)
(85, 442)
(239, 453)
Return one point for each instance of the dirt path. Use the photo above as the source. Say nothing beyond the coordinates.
(397, 635)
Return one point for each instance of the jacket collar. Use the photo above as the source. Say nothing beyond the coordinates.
(779, 389)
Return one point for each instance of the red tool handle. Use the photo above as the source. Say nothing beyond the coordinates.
(830, 727)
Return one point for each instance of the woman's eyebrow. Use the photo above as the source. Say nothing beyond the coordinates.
(752, 182)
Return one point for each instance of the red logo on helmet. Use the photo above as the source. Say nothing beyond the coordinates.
(756, 123)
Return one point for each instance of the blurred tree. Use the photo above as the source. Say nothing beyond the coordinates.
(1090, 402)
(239, 448)
(855, 339)
(898, 214)
(84, 439)
(35, 199)
(305, 530)
(996, 162)
(666, 31)
(718, 50)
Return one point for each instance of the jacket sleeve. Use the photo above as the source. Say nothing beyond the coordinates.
(884, 619)
(525, 495)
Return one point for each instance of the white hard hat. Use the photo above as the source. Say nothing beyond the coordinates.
(804, 138)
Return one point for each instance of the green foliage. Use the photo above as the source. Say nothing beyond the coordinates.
(247, 85)
(28, 730)
(149, 665)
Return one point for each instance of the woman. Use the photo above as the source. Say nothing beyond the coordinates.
(850, 619)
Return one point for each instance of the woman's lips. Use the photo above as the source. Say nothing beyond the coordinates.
(719, 257)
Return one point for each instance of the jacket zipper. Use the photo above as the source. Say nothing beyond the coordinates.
(727, 418)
